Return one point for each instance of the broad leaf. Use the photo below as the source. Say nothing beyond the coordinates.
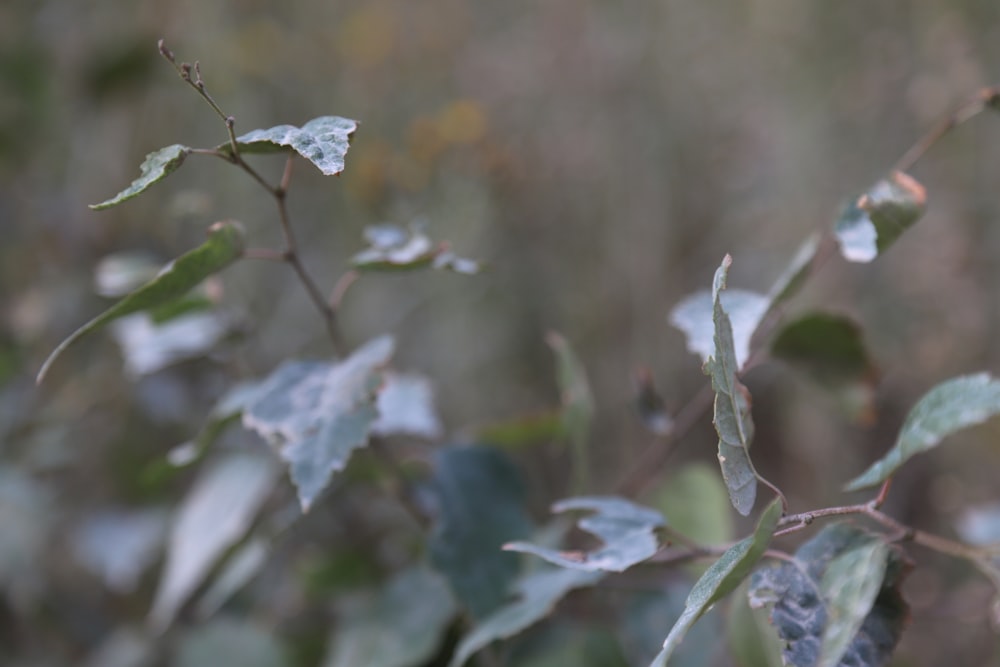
(157, 166)
(401, 626)
(577, 403)
(537, 595)
(478, 498)
(732, 405)
(224, 245)
(695, 317)
(721, 578)
(323, 141)
(820, 597)
(216, 514)
(395, 248)
(869, 226)
(627, 530)
(406, 407)
(949, 407)
(316, 414)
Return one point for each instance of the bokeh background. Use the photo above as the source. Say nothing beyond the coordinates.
(602, 157)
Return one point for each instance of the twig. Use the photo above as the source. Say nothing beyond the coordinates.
(341, 286)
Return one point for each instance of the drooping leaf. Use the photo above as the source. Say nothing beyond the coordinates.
(315, 414)
(794, 275)
(577, 403)
(323, 141)
(650, 405)
(645, 616)
(400, 626)
(478, 497)
(752, 640)
(216, 514)
(230, 642)
(877, 218)
(537, 595)
(830, 350)
(696, 504)
(157, 166)
(799, 596)
(722, 578)
(224, 245)
(395, 248)
(406, 407)
(732, 405)
(627, 530)
(118, 545)
(949, 407)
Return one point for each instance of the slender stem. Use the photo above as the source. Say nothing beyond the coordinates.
(340, 288)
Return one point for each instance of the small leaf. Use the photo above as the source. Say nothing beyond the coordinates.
(401, 626)
(577, 403)
(216, 514)
(394, 248)
(323, 141)
(627, 530)
(721, 578)
(157, 166)
(224, 245)
(870, 225)
(316, 414)
(406, 407)
(732, 405)
(538, 594)
(949, 407)
(694, 317)
(478, 497)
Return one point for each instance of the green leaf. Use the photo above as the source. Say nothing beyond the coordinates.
(157, 166)
(323, 141)
(877, 218)
(538, 594)
(478, 495)
(721, 578)
(949, 407)
(808, 600)
(732, 405)
(400, 626)
(577, 404)
(752, 640)
(224, 245)
(696, 504)
(216, 514)
(394, 248)
(627, 530)
(794, 275)
(406, 407)
(316, 413)
(695, 317)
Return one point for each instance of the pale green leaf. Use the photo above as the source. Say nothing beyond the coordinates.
(627, 530)
(323, 141)
(157, 166)
(850, 585)
(315, 414)
(949, 407)
(870, 225)
(721, 578)
(224, 245)
(696, 504)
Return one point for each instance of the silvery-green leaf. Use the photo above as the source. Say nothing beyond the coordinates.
(157, 166)
(323, 141)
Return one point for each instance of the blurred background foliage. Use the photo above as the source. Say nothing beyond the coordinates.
(602, 157)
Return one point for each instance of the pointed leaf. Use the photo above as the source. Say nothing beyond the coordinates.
(695, 317)
(224, 245)
(215, 515)
(951, 406)
(732, 405)
(721, 578)
(157, 166)
(538, 594)
(316, 414)
(478, 496)
(323, 141)
(869, 226)
(627, 530)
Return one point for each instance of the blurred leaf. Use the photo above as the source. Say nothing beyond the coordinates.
(124, 647)
(238, 570)
(402, 626)
(949, 407)
(696, 504)
(732, 405)
(980, 525)
(478, 498)
(26, 519)
(627, 530)
(695, 317)
(157, 166)
(799, 593)
(794, 275)
(577, 404)
(537, 595)
(323, 141)
(118, 545)
(869, 226)
(406, 407)
(722, 578)
(394, 248)
(229, 642)
(149, 347)
(224, 245)
(316, 414)
(650, 406)
(752, 640)
(646, 614)
(216, 514)
(830, 350)
(521, 431)
(118, 274)
(570, 644)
